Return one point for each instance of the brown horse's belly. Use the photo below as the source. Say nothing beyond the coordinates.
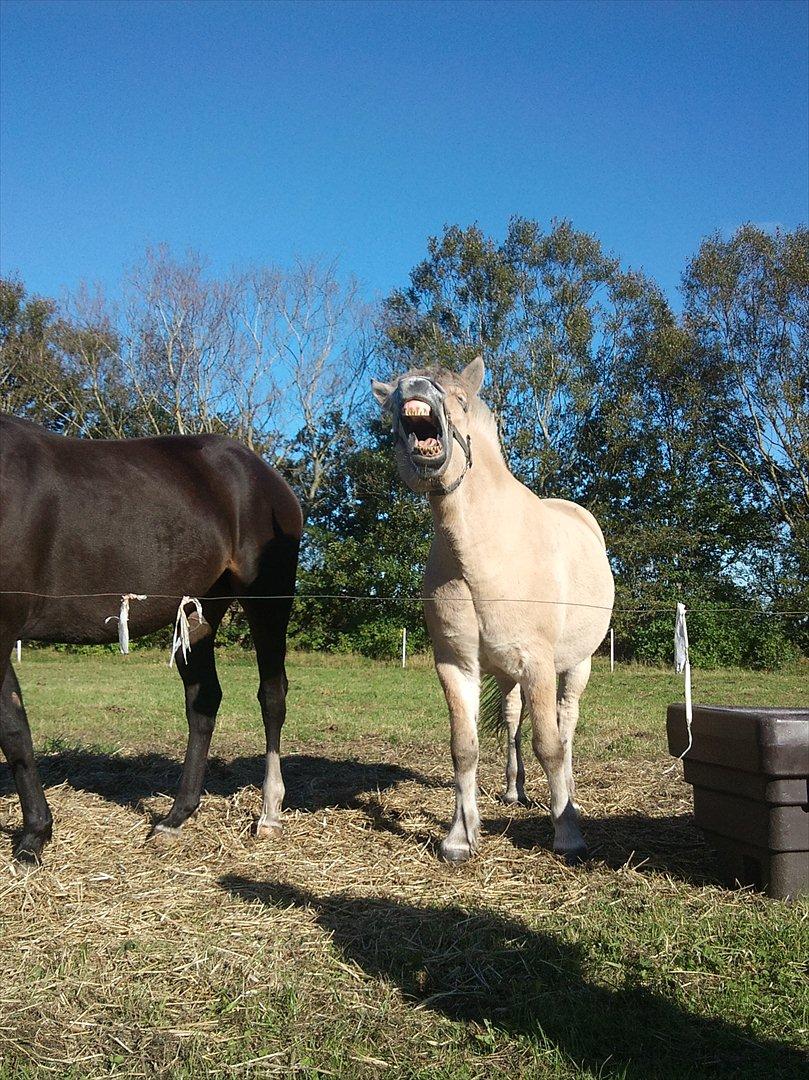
(83, 621)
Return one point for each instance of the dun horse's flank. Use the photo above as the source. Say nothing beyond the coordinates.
(86, 522)
(516, 587)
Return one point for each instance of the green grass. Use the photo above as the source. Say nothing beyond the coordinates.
(346, 948)
(117, 702)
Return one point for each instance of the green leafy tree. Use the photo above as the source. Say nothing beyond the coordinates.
(368, 537)
(747, 306)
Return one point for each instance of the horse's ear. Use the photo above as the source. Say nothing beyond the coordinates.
(382, 391)
(472, 375)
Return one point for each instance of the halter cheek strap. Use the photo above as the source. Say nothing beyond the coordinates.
(466, 445)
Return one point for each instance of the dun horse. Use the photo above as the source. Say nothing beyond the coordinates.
(86, 522)
(516, 587)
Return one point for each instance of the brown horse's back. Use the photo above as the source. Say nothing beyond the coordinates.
(162, 516)
(84, 522)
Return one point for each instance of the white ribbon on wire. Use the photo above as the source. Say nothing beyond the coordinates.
(683, 664)
(122, 619)
(181, 631)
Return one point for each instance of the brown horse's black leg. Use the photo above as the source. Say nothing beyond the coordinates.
(268, 624)
(15, 742)
(203, 695)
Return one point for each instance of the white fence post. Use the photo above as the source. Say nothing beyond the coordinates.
(612, 649)
(404, 647)
(19, 651)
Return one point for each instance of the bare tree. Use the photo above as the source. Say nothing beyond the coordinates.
(176, 342)
(275, 357)
(323, 342)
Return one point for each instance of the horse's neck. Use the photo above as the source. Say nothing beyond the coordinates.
(471, 518)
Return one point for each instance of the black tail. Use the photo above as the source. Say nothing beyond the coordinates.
(490, 715)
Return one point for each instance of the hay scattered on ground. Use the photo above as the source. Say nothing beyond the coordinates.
(124, 956)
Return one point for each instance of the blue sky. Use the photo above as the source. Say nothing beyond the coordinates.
(256, 132)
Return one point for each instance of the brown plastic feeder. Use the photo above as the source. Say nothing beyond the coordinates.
(750, 772)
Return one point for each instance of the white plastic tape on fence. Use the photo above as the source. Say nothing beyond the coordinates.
(682, 664)
(123, 620)
(181, 635)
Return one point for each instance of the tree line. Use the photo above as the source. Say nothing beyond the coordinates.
(686, 434)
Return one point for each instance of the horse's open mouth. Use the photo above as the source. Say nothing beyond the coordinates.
(422, 433)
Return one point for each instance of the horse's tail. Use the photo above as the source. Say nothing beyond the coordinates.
(490, 714)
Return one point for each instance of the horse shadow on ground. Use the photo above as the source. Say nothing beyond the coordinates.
(478, 966)
(670, 844)
(313, 782)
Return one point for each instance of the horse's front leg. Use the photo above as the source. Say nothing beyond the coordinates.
(462, 691)
(571, 686)
(15, 742)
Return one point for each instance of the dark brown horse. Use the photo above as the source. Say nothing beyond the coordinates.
(83, 523)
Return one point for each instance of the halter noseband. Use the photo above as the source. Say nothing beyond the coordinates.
(464, 443)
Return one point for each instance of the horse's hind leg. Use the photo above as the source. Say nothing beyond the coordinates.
(268, 625)
(571, 687)
(540, 688)
(15, 742)
(203, 695)
(511, 715)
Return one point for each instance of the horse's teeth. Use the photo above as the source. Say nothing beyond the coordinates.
(415, 408)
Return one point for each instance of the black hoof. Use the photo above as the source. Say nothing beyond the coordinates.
(28, 848)
(575, 856)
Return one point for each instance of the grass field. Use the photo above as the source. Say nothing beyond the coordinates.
(346, 948)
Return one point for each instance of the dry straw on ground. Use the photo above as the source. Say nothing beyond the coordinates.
(223, 955)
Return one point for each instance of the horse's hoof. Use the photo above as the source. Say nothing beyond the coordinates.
(454, 854)
(28, 854)
(574, 856)
(28, 848)
(268, 830)
(512, 800)
(164, 835)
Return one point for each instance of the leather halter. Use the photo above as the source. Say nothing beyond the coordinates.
(466, 446)
(464, 443)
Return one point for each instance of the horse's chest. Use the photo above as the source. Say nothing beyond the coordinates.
(491, 632)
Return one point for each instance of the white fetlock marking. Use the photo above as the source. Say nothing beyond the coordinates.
(167, 830)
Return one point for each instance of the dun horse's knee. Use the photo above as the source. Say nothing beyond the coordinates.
(550, 751)
(464, 755)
